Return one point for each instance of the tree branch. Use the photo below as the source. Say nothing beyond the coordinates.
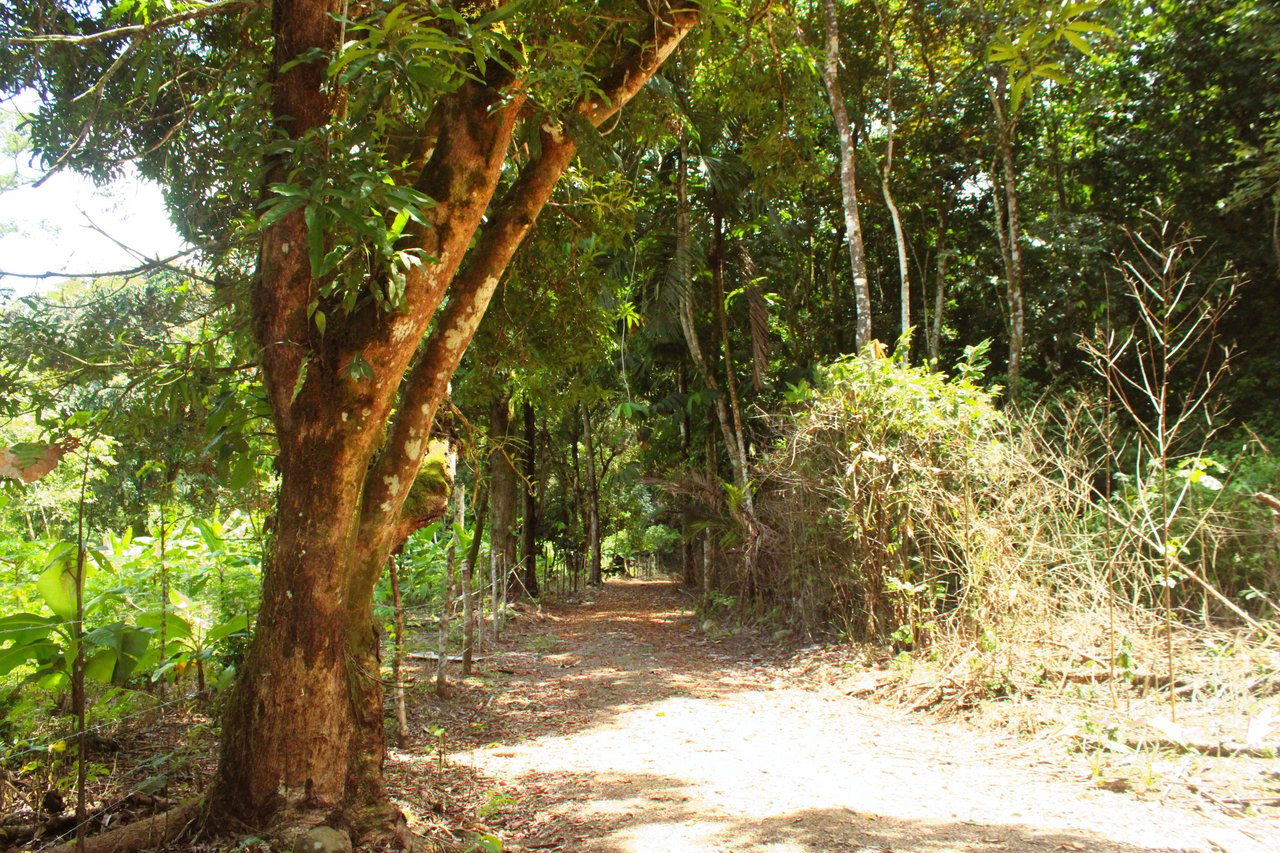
(391, 477)
(139, 29)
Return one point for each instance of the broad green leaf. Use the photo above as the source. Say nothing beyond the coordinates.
(57, 586)
(212, 536)
(234, 625)
(1089, 27)
(175, 627)
(485, 843)
(22, 628)
(21, 653)
(51, 679)
(101, 666)
(242, 473)
(133, 645)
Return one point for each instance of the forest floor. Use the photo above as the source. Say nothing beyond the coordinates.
(613, 724)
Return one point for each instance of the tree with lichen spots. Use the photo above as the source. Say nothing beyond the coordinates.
(403, 153)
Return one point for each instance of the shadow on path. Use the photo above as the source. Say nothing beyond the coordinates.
(611, 727)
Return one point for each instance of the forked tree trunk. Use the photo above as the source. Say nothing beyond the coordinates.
(353, 405)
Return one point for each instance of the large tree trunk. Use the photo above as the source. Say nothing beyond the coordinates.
(848, 172)
(353, 405)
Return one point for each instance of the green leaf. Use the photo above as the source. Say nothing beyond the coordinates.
(175, 627)
(51, 679)
(315, 239)
(485, 843)
(502, 13)
(100, 667)
(1089, 27)
(278, 209)
(1051, 71)
(1078, 42)
(1019, 90)
(18, 654)
(358, 369)
(22, 628)
(57, 586)
(242, 473)
(234, 625)
(133, 645)
(212, 537)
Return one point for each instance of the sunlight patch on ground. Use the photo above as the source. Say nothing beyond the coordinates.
(650, 837)
(765, 755)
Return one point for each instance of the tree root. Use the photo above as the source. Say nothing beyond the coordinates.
(143, 834)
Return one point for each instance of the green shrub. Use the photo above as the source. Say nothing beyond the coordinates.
(876, 499)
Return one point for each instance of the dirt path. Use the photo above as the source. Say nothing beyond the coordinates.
(611, 726)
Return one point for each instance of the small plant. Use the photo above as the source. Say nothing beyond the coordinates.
(494, 802)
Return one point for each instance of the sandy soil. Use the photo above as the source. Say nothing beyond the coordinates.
(613, 726)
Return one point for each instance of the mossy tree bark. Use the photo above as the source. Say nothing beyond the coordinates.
(303, 730)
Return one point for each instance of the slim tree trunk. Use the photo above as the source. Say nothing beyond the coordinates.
(737, 444)
(886, 171)
(834, 277)
(504, 485)
(468, 585)
(688, 568)
(529, 527)
(708, 541)
(688, 323)
(397, 659)
(737, 449)
(594, 576)
(447, 597)
(1009, 215)
(848, 172)
(939, 288)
